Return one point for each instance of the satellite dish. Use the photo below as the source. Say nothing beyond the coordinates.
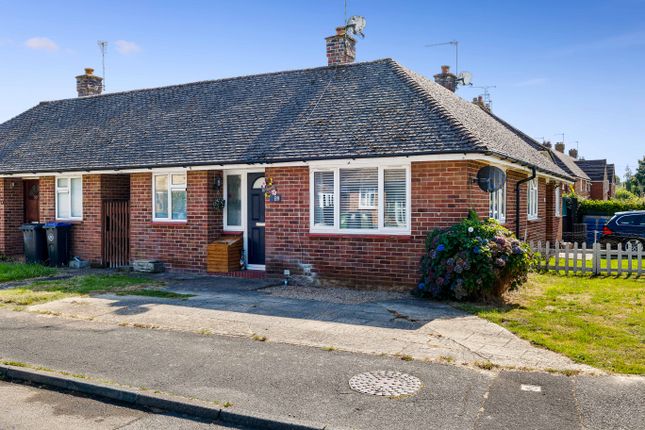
(356, 25)
(466, 78)
(490, 178)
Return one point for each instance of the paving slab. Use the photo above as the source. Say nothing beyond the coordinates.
(421, 329)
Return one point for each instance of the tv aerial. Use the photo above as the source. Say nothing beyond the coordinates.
(355, 25)
(463, 78)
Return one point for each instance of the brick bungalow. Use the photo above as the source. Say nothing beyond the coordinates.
(603, 182)
(358, 162)
(568, 163)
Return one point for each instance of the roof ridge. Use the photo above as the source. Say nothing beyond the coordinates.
(231, 78)
(409, 77)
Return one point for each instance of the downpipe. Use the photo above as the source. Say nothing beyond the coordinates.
(517, 200)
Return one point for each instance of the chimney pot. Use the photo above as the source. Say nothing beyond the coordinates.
(89, 84)
(341, 48)
(559, 147)
(573, 153)
(547, 144)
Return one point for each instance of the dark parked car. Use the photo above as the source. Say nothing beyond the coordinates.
(626, 228)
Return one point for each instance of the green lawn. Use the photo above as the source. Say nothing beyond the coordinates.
(19, 271)
(596, 321)
(121, 284)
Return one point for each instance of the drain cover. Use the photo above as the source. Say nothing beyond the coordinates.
(385, 383)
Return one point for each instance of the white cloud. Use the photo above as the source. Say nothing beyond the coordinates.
(126, 47)
(41, 43)
(531, 82)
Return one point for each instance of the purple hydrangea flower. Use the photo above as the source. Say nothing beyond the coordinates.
(441, 247)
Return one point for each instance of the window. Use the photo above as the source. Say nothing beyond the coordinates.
(532, 203)
(360, 199)
(631, 220)
(497, 205)
(324, 202)
(234, 201)
(169, 197)
(558, 201)
(69, 198)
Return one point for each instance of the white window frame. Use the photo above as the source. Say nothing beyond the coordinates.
(381, 229)
(171, 188)
(501, 218)
(558, 201)
(68, 190)
(532, 201)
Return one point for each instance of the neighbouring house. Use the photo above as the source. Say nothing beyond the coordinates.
(567, 162)
(603, 182)
(334, 173)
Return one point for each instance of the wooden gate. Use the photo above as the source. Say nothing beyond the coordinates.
(116, 233)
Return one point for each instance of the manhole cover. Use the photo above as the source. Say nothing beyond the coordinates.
(385, 383)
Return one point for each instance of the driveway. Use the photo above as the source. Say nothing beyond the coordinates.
(395, 324)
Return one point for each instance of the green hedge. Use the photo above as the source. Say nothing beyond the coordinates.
(608, 207)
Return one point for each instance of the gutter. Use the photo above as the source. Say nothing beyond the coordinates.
(517, 199)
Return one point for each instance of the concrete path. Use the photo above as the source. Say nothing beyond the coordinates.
(312, 384)
(26, 407)
(394, 324)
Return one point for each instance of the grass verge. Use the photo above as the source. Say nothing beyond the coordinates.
(595, 321)
(121, 284)
(18, 271)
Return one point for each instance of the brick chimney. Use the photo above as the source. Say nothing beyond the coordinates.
(341, 48)
(559, 147)
(479, 101)
(573, 153)
(89, 84)
(446, 79)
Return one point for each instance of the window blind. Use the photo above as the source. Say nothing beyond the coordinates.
(359, 198)
(394, 188)
(324, 199)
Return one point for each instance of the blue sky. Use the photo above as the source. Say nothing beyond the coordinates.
(573, 67)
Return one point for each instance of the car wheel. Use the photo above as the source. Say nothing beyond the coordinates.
(634, 245)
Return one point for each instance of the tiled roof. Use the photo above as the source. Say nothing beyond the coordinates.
(596, 169)
(372, 109)
(568, 164)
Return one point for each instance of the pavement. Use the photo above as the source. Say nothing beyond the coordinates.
(25, 407)
(393, 324)
(310, 384)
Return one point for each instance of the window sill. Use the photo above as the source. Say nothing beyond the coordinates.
(71, 221)
(383, 236)
(169, 223)
(532, 219)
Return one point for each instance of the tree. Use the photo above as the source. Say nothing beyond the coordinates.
(637, 183)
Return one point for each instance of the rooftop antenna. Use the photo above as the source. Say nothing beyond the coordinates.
(454, 43)
(103, 47)
(486, 96)
(560, 134)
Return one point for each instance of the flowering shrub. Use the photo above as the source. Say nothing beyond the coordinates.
(473, 259)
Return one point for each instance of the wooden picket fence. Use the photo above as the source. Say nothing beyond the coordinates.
(597, 259)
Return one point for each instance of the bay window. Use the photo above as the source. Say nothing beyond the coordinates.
(360, 200)
(169, 191)
(532, 201)
(69, 198)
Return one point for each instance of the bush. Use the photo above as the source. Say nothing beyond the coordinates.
(608, 207)
(623, 194)
(473, 260)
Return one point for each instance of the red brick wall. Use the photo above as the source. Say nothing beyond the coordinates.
(11, 216)
(598, 190)
(442, 193)
(47, 199)
(178, 245)
(553, 222)
(115, 187)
